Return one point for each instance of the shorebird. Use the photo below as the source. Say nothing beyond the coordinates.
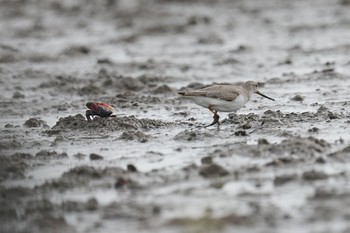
(223, 98)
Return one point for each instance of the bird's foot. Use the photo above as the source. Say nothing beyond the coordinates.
(216, 118)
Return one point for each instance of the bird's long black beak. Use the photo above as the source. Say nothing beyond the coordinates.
(259, 93)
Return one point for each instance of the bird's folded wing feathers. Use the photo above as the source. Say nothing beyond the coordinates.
(228, 96)
(223, 92)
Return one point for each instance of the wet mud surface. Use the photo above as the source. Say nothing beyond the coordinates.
(278, 166)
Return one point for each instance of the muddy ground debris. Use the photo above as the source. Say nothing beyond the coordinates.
(212, 170)
(94, 156)
(91, 172)
(297, 98)
(35, 122)
(207, 160)
(314, 175)
(241, 133)
(284, 179)
(45, 154)
(18, 95)
(80, 156)
(131, 168)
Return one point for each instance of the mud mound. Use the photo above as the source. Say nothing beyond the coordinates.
(187, 135)
(133, 135)
(86, 172)
(314, 175)
(289, 151)
(13, 193)
(342, 155)
(11, 168)
(242, 118)
(285, 118)
(163, 89)
(78, 122)
(82, 175)
(212, 171)
(76, 50)
(295, 148)
(45, 154)
(10, 144)
(277, 118)
(94, 156)
(35, 122)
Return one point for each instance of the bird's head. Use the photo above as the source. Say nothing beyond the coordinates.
(252, 87)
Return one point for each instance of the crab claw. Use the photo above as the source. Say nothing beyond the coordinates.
(89, 115)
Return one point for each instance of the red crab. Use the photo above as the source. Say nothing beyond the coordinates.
(98, 109)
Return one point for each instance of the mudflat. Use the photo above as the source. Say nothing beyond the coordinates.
(279, 166)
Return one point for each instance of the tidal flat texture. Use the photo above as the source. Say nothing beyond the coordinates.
(279, 166)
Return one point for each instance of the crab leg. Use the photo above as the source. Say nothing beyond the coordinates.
(89, 115)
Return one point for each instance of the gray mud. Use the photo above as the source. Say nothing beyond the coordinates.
(278, 166)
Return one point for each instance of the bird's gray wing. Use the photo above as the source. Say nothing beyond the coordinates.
(228, 96)
(223, 92)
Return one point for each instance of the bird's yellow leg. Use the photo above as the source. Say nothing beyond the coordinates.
(216, 117)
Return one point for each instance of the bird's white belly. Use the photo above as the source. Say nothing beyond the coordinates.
(219, 104)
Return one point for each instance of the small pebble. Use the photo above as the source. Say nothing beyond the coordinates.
(263, 141)
(247, 126)
(241, 133)
(313, 130)
(95, 157)
(207, 160)
(131, 168)
(298, 98)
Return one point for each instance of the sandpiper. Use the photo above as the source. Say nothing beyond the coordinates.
(223, 98)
